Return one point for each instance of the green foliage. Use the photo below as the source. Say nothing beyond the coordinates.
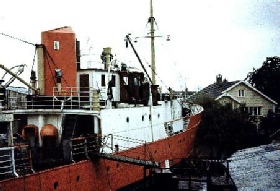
(267, 78)
(222, 127)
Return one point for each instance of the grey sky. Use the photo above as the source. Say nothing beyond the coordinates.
(208, 37)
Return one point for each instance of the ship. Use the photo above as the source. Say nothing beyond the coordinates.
(96, 128)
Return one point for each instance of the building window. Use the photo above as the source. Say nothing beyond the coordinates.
(254, 111)
(103, 84)
(241, 93)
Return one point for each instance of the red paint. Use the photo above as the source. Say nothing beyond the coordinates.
(53, 59)
(103, 174)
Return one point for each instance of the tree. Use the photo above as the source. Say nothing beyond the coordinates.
(266, 79)
(223, 128)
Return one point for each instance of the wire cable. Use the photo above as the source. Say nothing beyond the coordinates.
(15, 38)
(48, 54)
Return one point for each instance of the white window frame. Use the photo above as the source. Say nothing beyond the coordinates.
(241, 93)
(56, 45)
(255, 111)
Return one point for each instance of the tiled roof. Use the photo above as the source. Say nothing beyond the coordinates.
(216, 89)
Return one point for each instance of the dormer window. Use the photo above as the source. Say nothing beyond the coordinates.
(241, 93)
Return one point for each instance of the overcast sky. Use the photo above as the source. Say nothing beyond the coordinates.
(208, 37)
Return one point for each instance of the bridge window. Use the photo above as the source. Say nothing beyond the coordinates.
(136, 82)
(113, 79)
(103, 83)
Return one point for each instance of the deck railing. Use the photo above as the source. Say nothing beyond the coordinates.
(7, 162)
(66, 97)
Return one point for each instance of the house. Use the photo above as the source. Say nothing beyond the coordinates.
(240, 93)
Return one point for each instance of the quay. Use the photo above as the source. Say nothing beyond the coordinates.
(189, 174)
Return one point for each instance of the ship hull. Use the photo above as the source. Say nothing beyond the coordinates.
(102, 174)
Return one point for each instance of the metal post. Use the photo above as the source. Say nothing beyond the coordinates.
(227, 171)
(10, 135)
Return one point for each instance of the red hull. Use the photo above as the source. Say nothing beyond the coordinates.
(103, 174)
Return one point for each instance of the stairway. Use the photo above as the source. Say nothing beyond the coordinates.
(23, 164)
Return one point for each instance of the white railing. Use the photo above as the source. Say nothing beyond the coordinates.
(75, 98)
(66, 97)
(19, 102)
(7, 161)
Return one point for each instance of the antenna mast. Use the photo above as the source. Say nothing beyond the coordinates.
(152, 20)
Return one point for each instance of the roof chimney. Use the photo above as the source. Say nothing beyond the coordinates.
(219, 79)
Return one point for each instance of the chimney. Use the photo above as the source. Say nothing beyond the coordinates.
(106, 57)
(219, 79)
(41, 70)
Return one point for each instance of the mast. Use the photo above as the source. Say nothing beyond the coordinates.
(152, 22)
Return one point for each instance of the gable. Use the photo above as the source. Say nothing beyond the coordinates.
(249, 91)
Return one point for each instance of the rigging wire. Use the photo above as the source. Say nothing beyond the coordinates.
(149, 65)
(30, 43)
(15, 38)
(48, 63)
(48, 54)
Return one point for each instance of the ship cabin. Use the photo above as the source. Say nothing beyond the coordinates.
(58, 121)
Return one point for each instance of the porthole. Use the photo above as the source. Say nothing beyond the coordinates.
(78, 178)
(127, 119)
(55, 185)
(142, 117)
(158, 115)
